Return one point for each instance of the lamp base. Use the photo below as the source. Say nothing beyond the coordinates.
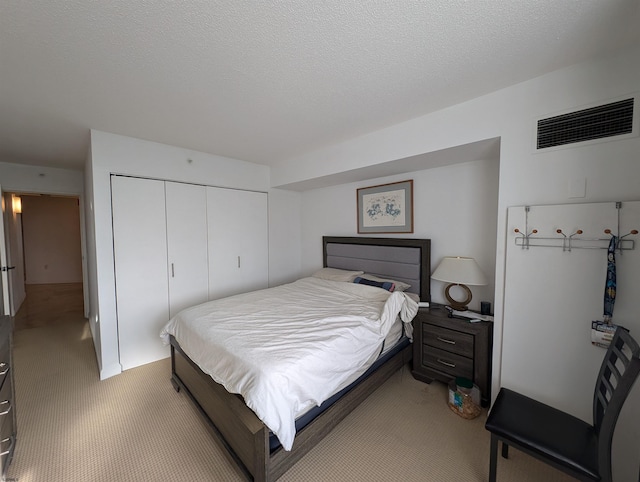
(455, 304)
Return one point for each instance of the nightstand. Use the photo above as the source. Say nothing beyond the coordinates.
(445, 348)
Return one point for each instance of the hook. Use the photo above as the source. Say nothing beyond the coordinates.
(564, 240)
(578, 231)
(619, 240)
(608, 231)
(633, 231)
(630, 233)
(525, 237)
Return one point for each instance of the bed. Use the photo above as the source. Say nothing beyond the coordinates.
(246, 438)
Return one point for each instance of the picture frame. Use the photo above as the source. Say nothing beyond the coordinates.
(386, 208)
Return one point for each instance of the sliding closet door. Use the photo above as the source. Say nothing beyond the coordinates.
(186, 206)
(238, 241)
(140, 252)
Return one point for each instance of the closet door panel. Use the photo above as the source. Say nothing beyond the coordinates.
(186, 206)
(140, 252)
(238, 241)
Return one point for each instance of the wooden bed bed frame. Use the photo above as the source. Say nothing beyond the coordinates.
(237, 427)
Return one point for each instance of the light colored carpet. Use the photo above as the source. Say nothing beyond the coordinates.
(135, 427)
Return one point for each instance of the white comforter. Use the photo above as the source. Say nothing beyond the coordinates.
(287, 348)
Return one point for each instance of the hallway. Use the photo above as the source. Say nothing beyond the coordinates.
(50, 304)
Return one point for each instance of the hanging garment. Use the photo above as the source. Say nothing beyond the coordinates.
(610, 285)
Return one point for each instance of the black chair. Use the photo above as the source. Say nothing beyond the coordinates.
(562, 440)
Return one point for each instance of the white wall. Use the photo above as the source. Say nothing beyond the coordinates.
(114, 154)
(284, 236)
(610, 171)
(51, 233)
(91, 273)
(43, 180)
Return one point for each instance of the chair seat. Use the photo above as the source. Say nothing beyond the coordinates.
(546, 431)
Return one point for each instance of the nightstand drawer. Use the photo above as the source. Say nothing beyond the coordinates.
(447, 362)
(448, 340)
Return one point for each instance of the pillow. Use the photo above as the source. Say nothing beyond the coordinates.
(386, 285)
(334, 274)
(400, 286)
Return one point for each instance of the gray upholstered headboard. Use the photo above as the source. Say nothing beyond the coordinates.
(407, 260)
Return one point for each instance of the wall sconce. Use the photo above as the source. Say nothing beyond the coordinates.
(17, 203)
(457, 270)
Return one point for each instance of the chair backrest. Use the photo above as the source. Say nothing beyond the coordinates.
(619, 370)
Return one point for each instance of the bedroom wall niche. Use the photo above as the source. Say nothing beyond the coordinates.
(177, 245)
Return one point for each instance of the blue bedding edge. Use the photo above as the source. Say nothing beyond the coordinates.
(305, 419)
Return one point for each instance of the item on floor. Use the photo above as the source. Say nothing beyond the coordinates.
(464, 398)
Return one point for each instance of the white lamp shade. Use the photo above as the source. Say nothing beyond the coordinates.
(459, 270)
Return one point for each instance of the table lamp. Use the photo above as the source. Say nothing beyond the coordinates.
(461, 271)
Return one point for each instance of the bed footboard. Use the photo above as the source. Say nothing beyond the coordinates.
(242, 433)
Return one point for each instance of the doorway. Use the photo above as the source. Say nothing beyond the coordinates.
(48, 255)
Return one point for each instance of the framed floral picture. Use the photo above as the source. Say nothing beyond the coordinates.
(387, 208)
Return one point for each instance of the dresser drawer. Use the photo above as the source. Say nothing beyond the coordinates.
(6, 402)
(7, 419)
(449, 363)
(5, 358)
(448, 340)
(7, 443)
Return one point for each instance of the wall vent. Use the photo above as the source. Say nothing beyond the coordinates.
(585, 125)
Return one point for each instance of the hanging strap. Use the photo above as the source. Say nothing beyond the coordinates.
(610, 285)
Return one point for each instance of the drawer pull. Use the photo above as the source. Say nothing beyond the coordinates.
(450, 365)
(10, 439)
(444, 340)
(6, 402)
(4, 370)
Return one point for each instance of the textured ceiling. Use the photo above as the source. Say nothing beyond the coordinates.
(267, 81)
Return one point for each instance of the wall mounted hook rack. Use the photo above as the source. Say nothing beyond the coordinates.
(574, 241)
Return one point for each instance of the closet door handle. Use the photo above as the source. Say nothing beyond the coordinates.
(238, 261)
(173, 273)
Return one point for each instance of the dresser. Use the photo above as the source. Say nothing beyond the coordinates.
(445, 348)
(7, 409)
